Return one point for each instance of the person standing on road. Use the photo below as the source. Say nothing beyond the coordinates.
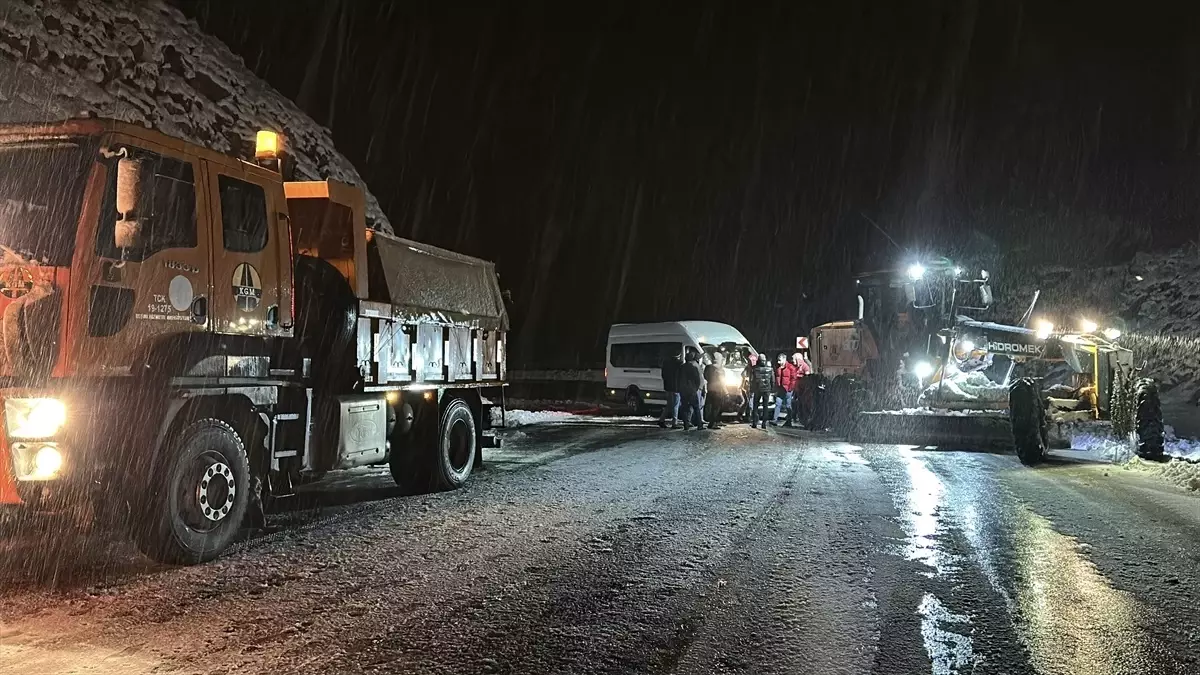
(670, 377)
(698, 418)
(802, 399)
(714, 375)
(691, 379)
(747, 378)
(761, 386)
(785, 388)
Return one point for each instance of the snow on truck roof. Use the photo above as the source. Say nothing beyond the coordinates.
(708, 332)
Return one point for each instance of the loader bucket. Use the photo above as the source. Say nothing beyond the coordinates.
(987, 431)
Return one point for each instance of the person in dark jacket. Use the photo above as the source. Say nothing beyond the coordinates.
(714, 374)
(762, 384)
(670, 377)
(690, 380)
(747, 377)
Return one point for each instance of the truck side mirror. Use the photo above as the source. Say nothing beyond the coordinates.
(132, 203)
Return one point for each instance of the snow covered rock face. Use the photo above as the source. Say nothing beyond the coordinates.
(146, 62)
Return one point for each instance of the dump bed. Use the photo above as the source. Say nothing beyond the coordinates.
(425, 315)
(427, 283)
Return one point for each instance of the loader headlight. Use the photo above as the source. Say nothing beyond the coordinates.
(1112, 333)
(32, 418)
(916, 271)
(1044, 329)
(923, 370)
(1088, 326)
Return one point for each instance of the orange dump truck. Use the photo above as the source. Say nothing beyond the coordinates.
(185, 336)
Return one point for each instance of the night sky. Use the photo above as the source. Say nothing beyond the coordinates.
(652, 161)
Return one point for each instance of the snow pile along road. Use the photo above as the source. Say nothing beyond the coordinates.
(146, 62)
(1179, 472)
(1182, 448)
(521, 418)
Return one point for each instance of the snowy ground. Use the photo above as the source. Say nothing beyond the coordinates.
(613, 548)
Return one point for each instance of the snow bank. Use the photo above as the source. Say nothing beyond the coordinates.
(1178, 472)
(1182, 448)
(146, 62)
(523, 418)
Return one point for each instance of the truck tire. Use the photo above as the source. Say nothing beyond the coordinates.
(457, 447)
(1148, 420)
(198, 497)
(1027, 415)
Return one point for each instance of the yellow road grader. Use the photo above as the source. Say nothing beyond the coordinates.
(916, 366)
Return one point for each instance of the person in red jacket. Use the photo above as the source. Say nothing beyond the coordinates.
(802, 399)
(785, 387)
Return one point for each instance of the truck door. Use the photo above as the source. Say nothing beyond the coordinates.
(248, 296)
(135, 297)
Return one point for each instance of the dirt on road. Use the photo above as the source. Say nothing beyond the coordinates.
(622, 548)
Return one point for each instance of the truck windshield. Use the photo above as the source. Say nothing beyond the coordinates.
(41, 191)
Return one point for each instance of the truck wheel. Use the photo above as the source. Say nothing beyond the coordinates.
(1028, 418)
(1148, 420)
(457, 447)
(633, 401)
(199, 496)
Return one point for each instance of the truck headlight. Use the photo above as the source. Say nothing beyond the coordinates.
(733, 380)
(37, 461)
(32, 418)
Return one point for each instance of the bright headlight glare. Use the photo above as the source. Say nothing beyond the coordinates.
(1088, 326)
(1112, 333)
(1044, 329)
(47, 462)
(916, 271)
(923, 369)
(30, 418)
(733, 380)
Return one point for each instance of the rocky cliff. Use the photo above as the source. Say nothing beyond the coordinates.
(144, 61)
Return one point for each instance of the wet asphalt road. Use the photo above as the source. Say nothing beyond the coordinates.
(620, 548)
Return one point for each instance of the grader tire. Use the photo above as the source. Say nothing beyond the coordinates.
(1028, 417)
(1148, 420)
